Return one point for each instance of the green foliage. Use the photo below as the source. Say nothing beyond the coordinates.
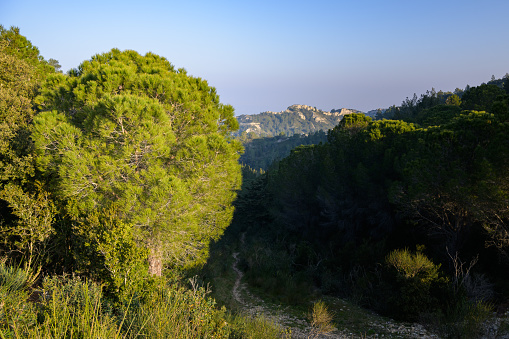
(415, 109)
(16, 315)
(126, 168)
(417, 282)
(453, 100)
(21, 70)
(454, 179)
(349, 126)
(410, 265)
(337, 211)
(35, 213)
(256, 328)
(464, 319)
(25, 209)
(481, 98)
(438, 115)
(71, 307)
(177, 313)
(15, 312)
(20, 47)
(138, 151)
(16, 278)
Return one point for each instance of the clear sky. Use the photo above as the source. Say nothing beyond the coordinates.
(268, 55)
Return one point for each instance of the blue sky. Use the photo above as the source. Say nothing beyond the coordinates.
(267, 55)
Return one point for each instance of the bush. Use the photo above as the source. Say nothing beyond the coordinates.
(256, 328)
(176, 312)
(416, 284)
(410, 265)
(463, 319)
(15, 278)
(321, 319)
(73, 308)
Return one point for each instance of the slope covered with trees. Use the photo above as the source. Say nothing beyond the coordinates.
(270, 136)
(408, 216)
(124, 171)
(261, 153)
(296, 119)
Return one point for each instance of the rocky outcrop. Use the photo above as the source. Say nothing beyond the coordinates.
(301, 119)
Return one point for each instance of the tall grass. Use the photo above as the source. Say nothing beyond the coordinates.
(176, 312)
(71, 307)
(15, 313)
(66, 308)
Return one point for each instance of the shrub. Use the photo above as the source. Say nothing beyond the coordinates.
(256, 328)
(416, 283)
(463, 319)
(73, 308)
(410, 265)
(15, 278)
(321, 319)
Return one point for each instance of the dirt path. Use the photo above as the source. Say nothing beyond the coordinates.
(300, 327)
(256, 307)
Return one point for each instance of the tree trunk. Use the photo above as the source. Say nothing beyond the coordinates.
(155, 263)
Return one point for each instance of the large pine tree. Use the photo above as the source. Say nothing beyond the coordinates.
(140, 158)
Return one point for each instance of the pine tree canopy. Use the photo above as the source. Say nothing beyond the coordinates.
(140, 159)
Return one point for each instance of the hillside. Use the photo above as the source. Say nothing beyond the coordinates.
(296, 119)
(260, 153)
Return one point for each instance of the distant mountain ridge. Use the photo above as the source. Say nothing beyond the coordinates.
(296, 119)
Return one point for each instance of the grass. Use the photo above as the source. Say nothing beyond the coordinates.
(70, 307)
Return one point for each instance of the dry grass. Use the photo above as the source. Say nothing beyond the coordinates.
(321, 320)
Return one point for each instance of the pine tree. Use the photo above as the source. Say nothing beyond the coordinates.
(141, 154)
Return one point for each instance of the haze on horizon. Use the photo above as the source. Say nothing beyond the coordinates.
(266, 56)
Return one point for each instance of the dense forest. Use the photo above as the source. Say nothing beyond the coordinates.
(122, 193)
(407, 216)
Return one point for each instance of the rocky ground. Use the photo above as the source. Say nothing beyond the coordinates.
(299, 327)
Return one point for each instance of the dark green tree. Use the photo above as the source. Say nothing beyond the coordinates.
(455, 180)
(453, 100)
(26, 211)
(481, 98)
